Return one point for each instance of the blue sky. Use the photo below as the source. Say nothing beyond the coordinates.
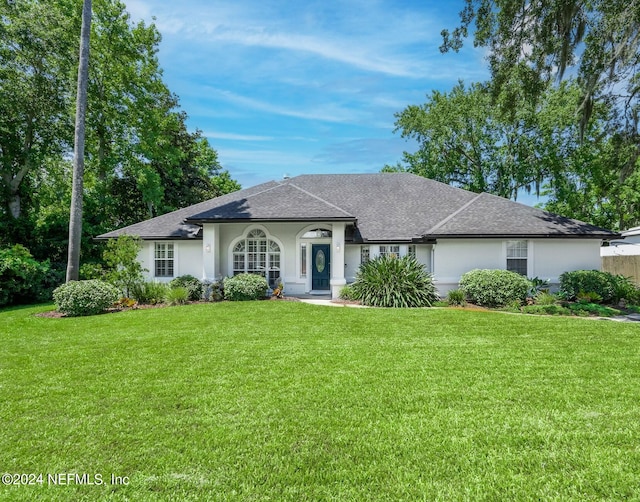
(290, 87)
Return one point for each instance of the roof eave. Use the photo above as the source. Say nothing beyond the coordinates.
(523, 236)
(153, 237)
(202, 221)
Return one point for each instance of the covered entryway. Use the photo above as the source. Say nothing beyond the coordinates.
(320, 267)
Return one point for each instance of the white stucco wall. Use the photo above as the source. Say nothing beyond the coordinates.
(287, 236)
(547, 258)
(187, 259)
(352, 256)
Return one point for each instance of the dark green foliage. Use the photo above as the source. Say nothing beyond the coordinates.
(586, 309)
(91, 270)
(581, 282)
(149, 293)
(191, 283)
(588, 167)
(626, 290)
(546, 309)
(494, 288)
(244, 287)
(141, 160)
(538, 285)
(123, 268)
(80, 298)
(388, 281)
(456, 297)
(23, 279)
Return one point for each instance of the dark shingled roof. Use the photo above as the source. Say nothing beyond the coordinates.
(384, 206)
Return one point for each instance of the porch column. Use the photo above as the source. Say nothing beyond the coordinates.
(210, 251)
(337, 259)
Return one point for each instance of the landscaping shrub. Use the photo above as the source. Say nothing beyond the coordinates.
(192, 284)
(604, 284)
(149, 293)
(123, 268)
(178, 295)
(212, 291)
(91, 271)
(456, 297)
(80, 298)
(245, 287)
(626, 290)
(388, 281)
(25, 280)
(544, 298)
(347, 293)
(494, 288)
(586, 309)
(546, 309)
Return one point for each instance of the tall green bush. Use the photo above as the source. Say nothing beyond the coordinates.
(388, 281)
(192, 284)
(81, 298)
(575, 283)
(494, 288)
(244, 287)
(149, 293)
(23, 279)
(123, 268)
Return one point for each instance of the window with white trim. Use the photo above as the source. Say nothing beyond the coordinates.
(303, 259)
(364, 254)
(411, 250)
(517, 257)
(163, 258)
(389, 250)
(257, 255)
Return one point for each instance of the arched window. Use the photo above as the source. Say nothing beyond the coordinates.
(257, 255)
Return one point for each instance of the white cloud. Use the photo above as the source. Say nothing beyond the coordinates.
(236, 137)
(325, 112)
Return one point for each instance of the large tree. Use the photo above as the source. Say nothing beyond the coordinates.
(36, 58)
(524, 128)
(532, 42)
(466, 141)
(141, 159)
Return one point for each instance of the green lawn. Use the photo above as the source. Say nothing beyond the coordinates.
(287, 401)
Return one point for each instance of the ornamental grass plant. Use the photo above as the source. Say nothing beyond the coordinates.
(389, 281)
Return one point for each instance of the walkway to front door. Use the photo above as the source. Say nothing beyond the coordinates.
(321, 267)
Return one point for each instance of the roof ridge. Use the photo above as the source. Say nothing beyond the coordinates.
(320, 199)
(452, 215)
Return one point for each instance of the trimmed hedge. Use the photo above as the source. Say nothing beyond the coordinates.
(388, 281)
(245, 287)
(494, 288)
(80, 298)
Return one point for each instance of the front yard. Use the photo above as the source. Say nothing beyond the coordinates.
(288, 401)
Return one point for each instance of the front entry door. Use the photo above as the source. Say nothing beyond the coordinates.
(321, 267)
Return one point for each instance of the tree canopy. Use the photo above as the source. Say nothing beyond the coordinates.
(141, 159)
(560, 114)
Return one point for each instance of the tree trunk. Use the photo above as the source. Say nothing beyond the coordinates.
(75, 220)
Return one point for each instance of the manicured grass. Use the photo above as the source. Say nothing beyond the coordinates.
(288, 401)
